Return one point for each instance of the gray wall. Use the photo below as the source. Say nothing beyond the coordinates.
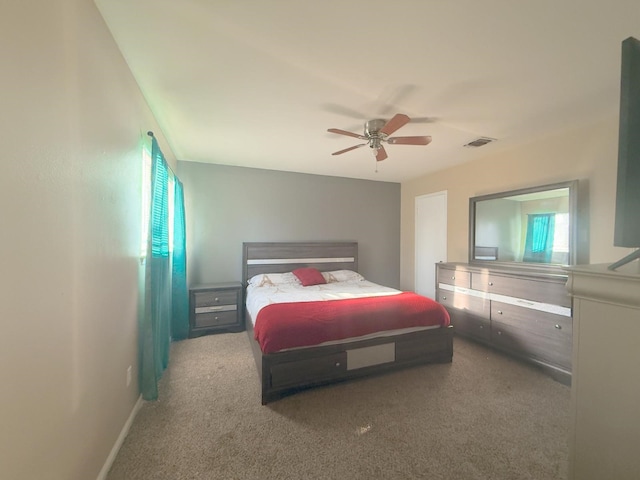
(226, 206)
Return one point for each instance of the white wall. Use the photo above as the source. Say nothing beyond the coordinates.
(588, 153)
(71, 124)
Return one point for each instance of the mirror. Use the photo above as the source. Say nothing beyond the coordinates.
(532, 226)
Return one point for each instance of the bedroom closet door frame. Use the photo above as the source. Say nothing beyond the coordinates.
(430, 240)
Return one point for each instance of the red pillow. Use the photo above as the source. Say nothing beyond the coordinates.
(309, 276)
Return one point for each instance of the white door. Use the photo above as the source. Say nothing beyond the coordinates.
(431, 240)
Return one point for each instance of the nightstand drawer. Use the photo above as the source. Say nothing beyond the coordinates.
(216, 297)
(216, 319)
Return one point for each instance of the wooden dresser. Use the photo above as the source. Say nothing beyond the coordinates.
(605, 392)
(523, 311)
(215, 308)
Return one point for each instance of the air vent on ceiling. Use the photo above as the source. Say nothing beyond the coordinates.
(479, 142)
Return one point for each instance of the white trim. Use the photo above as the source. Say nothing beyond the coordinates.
(519, 302)
(368, 356)
(123, 434)
(274, 261)
(543, 307)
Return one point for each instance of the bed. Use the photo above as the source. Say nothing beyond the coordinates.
(291, 360)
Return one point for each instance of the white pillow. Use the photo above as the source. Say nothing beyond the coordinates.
(272, 279)
(342, 276)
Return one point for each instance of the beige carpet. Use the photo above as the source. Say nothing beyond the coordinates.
(485, 416)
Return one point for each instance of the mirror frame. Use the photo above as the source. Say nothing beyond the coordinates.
(573, 225)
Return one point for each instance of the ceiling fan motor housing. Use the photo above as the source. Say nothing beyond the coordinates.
(372, 127)
(372, 130)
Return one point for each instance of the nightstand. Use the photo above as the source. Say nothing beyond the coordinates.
(215, 308)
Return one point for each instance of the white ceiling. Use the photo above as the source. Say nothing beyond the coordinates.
(257, 83)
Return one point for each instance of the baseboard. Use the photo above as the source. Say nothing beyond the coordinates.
(123, 434)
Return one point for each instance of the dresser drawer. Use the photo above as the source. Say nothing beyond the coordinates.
(470, 325)
(468, 303)
(544, 336)
(459, 278)
(215, 297)
(553, 292)
(469, 314)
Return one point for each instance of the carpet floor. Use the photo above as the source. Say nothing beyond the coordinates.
(484, 416)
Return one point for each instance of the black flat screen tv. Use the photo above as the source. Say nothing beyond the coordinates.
(627, 216)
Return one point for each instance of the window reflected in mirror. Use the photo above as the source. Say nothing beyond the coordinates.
(530, 226)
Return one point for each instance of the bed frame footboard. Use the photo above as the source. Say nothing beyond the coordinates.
(288, 372)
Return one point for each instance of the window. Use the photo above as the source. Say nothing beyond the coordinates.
(561, 233)
(146, 203)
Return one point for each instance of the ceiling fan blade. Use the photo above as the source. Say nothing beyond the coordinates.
(381, 154)
(344, 111)
(424, 119)
(349, 149)
(398, 120)
(409, 140)
(394, 96)
(344, 132)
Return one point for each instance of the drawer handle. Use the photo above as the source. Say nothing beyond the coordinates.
(491, 284)
(559, 327)
(499, 332)
(481, 327)
(444, 297)
(337, 364)
(217, 300)
(453, 278)
(499, 312)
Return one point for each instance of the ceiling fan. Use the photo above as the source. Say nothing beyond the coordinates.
(377, 131)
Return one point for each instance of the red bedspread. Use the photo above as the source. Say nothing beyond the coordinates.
(288, 325)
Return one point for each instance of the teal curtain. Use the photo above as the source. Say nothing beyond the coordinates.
(539, 240)
(179, 293)
(164, 295)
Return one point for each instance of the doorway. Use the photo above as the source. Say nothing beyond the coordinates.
(430, 240)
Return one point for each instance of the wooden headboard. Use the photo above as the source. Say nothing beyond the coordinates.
(281, 257)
